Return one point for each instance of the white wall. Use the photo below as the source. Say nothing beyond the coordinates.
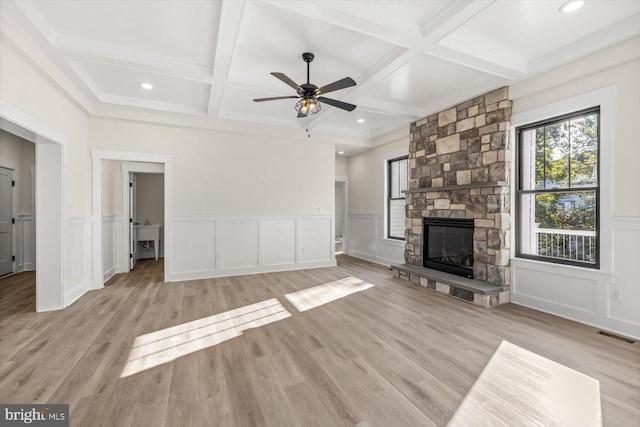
(342, 166)
(27, 87)
(583, 294)
(220, 172)
(366, 218)
(150, 206)
(230, 192)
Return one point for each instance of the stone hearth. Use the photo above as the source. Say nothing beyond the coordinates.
(459, 168)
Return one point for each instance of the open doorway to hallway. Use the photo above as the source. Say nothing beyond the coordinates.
(133, 215)
(17, 204)
(35, 186)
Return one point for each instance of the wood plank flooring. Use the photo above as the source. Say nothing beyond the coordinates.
(391, 355)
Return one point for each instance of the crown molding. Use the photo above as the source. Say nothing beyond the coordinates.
(153, 105)
(606, 37)
(385, 108)
(37, 20)
(113, 112)
(19, 39)
(134, 59)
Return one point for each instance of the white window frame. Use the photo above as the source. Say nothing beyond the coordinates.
(605, 98)
(385, 188)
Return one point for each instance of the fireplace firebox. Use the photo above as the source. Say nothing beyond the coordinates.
(448, 245)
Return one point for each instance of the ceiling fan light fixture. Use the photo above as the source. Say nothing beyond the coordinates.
(308, 106)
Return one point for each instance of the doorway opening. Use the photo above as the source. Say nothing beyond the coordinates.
(36, 209)
(131, 201)
(17, 204)
(146, 212)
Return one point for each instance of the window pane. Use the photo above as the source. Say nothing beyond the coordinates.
(539, 159)
(559, 225)
(396, 218)
(398, 178)
(532, 159)
(398, 182)
(556, 155)
(584, 151)
(394, 182)
(403, 175)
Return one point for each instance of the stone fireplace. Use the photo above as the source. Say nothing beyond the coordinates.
(459, 170)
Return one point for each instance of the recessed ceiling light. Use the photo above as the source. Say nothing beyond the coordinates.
(360, 120)
(571, 6)
(146, 86)
(340, 152)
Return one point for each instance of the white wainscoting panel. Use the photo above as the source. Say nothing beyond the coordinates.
(108, 247)
(194, 248)
(25, 243)
(239, 239)
(583, 294)
(316, 241)
(122, 258)
(77, 240)
(205, 246)
(626, 243)
(366, 240)
(278, 240)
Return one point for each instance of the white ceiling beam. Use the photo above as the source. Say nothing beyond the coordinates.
(228, 26)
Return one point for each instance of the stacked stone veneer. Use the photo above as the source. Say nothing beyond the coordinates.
(459, 168)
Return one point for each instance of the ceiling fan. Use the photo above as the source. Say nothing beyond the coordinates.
(309, 94)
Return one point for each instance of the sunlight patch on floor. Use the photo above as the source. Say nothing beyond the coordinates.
(166, 345)
(307, 299)
(521, 388)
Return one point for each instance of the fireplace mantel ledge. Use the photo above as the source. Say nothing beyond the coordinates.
(458, 187)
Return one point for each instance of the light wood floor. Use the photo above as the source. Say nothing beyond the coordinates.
(391, 355)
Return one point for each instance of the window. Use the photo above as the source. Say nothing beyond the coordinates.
(397, 170)
(558, 189)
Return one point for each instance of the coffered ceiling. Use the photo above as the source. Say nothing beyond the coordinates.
(209, 59)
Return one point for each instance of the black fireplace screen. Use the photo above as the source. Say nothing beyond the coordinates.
(448, 245)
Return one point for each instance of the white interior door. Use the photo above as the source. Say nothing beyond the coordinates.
(6, 221)
(133, 241)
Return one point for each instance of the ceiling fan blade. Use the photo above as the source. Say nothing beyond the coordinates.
(287, 80)
(301, 116)
(340, 84)
(273, 98)
(336, 103)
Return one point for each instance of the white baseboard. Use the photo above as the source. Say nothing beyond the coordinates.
(368, 257)
(210, 274)
(109, 274)
(73, 295)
